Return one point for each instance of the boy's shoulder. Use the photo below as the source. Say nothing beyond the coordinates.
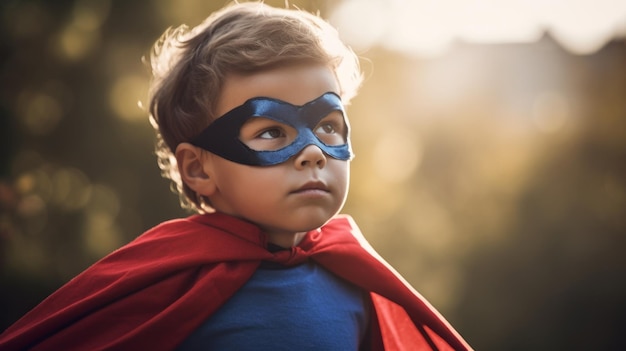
(199, 228)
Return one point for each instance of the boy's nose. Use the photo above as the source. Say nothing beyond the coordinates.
(310, 156)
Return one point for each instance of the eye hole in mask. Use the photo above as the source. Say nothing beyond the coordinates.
(266, 134)
(265, 131)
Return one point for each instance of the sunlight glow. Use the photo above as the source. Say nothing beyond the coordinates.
(427, 28)
(550, 111)
(397, 155)
(365, 29)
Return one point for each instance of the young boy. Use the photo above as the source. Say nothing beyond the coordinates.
(252, 131)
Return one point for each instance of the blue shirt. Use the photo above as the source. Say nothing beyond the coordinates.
(297, 308)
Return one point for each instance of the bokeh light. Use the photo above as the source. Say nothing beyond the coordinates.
(126, 97)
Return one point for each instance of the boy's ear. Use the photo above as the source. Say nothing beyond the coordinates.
(194, 169)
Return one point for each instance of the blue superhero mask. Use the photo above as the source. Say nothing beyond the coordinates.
(222, 137)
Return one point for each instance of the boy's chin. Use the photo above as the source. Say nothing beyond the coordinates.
(316, 222)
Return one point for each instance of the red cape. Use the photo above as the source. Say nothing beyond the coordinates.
(146, 295)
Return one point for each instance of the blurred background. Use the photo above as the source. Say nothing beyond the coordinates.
(490, 140)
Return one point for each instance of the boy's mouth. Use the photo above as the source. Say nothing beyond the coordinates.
(312, 186)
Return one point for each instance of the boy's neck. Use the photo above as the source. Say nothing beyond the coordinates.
(285, 240)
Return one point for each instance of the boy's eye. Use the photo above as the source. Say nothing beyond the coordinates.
(272, 134)
(332, 130)
(327, 128)
(265, 134)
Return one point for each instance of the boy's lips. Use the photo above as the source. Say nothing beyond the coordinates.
(312, 186)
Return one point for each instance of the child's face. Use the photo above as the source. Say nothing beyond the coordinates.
(299, 194)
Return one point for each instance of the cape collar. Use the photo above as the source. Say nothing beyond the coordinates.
(252, 234)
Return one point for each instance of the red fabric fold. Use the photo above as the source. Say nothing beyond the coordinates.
(155, 291)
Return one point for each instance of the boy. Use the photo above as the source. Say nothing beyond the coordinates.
(251, 129)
